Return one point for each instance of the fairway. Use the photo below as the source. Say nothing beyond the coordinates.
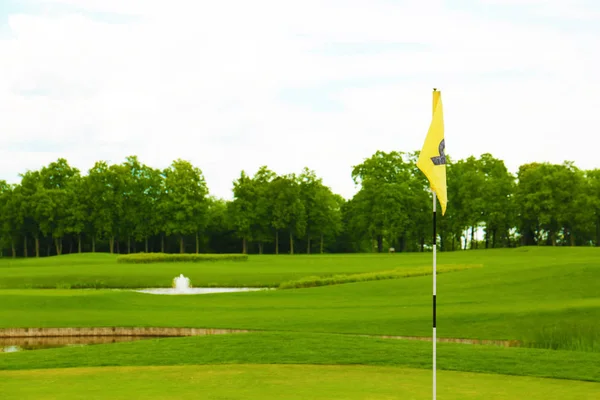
(282, 382)
(518, 294)
(311, 342)
(103, 271)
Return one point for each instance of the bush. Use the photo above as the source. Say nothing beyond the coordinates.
(314, 281)
(147, 258)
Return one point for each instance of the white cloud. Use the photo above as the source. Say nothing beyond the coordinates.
(201, 81)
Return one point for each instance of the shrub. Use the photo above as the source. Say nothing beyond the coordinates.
(147, 258)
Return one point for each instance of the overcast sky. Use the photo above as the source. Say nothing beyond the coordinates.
(232, 85)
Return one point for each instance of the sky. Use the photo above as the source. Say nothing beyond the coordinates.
(231, 85)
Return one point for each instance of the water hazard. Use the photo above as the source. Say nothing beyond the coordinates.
(11, 345)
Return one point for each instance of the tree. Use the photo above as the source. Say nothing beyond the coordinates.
(185, 203)
(322, 208)
(593, 188)
(289, 213)
(54, 201)
(105, 202)
(242, 211)
(497, 195)
(384, 205)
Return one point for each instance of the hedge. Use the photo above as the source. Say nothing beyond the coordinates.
(146, 258)
(314, 281)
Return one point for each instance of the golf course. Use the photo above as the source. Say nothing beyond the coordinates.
(518, 323)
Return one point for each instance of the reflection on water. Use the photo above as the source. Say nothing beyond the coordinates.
(11, 345)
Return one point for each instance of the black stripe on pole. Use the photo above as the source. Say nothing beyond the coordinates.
(434, 310)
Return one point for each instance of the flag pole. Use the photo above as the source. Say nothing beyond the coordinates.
(434, 294)
(434, 282)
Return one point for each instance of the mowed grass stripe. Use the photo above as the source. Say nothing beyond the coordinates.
(291, 382)
(324, 349)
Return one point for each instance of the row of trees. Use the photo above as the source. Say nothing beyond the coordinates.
(132, 207)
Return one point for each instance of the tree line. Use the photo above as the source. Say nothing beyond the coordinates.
(132, 207)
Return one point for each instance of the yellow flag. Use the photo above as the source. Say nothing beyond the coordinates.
(432, 160)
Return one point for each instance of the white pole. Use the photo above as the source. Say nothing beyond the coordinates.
(434, 294)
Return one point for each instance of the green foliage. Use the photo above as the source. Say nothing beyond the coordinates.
(314, 281)
(148, 258)
(120, 208)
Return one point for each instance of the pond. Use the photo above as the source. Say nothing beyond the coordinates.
(11, 345)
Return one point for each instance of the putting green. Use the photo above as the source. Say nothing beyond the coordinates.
(280, 382)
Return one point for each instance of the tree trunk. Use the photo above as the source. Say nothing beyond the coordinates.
(146, 245)
(197, 243)
(308, 246)
(572, 238)
(181, 244)
(58, 245)
(118, 250)
(277, 242)
(322, 241)
(379, 243)
(162, 243)
(472, 237)
(128, 244)
(111, 244)
(291, 243)
(37, 247)
(79, 243)
(453, 241)
(244, 245)
(260, 247)
(422, 244)
(93, 243)
(12, 247)
(25, 246)
(494, 239)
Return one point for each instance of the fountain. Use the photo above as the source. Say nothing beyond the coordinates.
(182, 285)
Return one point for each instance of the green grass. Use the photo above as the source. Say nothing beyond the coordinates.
(566, 336)
(102, 270)
(324, 349)
(547, 297)
(250, 382)
(150, 258)
(315, 281)
(517, 293)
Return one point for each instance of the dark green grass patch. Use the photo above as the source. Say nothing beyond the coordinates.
(566, 335)
(315, 281)
(148, 258)
(294, 348)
